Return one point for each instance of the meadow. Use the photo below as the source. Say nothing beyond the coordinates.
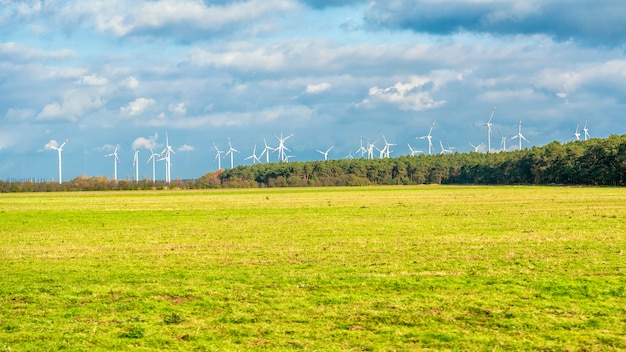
(327, 269)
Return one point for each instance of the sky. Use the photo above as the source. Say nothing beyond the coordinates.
(343, 73)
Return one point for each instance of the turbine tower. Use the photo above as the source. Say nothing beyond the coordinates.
(362, 150)
(520, 136)
(326, 152)
(153, 157)
(489, 124)
(136, 165)
(115, 161)
(430, 139)
(59, 149)
(230, 152)
(218, 156)
(502, 141)
(168, 158)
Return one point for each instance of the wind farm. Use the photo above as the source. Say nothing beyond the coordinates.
(280, 151)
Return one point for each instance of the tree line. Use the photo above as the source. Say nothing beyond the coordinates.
(592, 162)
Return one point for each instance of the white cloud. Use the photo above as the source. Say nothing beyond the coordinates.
(130, 82)
(53, 144)
(185, 148)
(16, 114)
(142, 16)
(23, 52)
(137, 106)
(93, 80)
(317, 88)
(413, 95)
(512, 94)
(75, 104)
(179, 108)
(608, 74)
(146, 143)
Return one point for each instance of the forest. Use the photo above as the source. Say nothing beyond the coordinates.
(595, 162)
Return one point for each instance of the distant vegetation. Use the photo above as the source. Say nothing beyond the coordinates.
(592, 162)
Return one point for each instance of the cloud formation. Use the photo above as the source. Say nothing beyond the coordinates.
(598, 24)
(137, 106)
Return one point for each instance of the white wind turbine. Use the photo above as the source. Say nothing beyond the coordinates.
(370, 149)
(476, 147)
(281, 147)
(349, 156)
(520, 136)
(413, 151)
(115, 161)
(153, 157)
(362, 150)
(230, 152)
(136, 164)
(502, 141)
(444, 150)
(218, 156)
(53, 145)
(429, 137)
(387, 148)
(489, 124)
(577, 133)
(586, 130)
(266, 151)
(325, 154)
(168, 158)
(254, 157)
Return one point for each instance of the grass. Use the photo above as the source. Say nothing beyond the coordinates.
(376, 268)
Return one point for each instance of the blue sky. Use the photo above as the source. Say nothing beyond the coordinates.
(113, 72)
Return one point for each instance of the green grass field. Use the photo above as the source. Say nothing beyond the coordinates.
(376, 268)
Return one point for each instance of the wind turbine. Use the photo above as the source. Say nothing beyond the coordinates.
(230, 152)
(281, 147)
(502, 141)
(218, 156)
(429, 137)
(254, 157)
(476, 147)
(152, 157)
(168, 158)
(349, 156)
(115, 161)
(370, 149)
(386, 148)
(413, 151)
(586, 130)
(326, 152)
(266, 151)
(577, 133)
(136, 164)
(444, 150)
(362, 150)
(59, 149)
(489, 124)
(520, 136)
